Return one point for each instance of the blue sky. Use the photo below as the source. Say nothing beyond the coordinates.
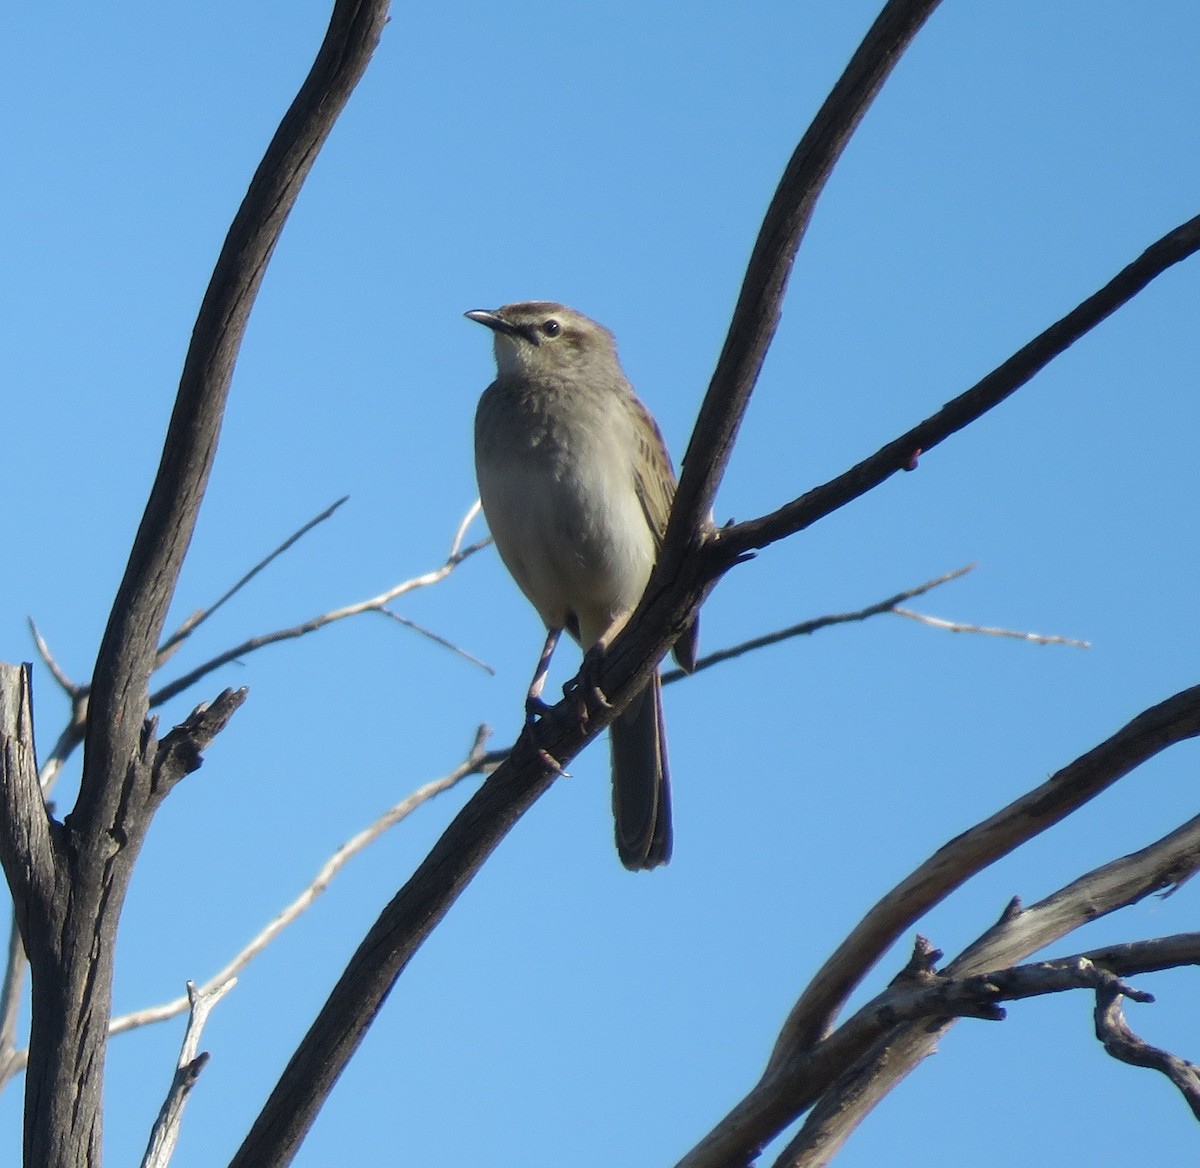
(618, 157)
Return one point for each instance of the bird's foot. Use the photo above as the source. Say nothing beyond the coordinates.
(584, 690)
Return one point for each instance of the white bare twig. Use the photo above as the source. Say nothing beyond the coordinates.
(197, 618)
(458, 553)
(165, 1133)
(987, 631)
(70, 688)
(478, 761)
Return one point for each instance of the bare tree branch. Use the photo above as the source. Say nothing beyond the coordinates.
(193, 622)
(12, 1061)
(899, 454)
(28, 847)
(72, 959)
(760, 302)
(1172, 721)
(936, 622)
(69, 687)
(165, 1133)
(800, 1068)
(372, 604)
(1121, 1042)
(437, 639)
(1018, 933)
(477, 762)
(808, 627)
(1147, 956)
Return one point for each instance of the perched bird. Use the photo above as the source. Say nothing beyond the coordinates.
(577, 486)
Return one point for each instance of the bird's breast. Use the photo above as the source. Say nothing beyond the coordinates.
(559, 492)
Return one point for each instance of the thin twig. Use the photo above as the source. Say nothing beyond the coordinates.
(193, 622)
(808, 627)
(165, 1133)
(987, 631)
(437, 639)
(461, 533)
(373, 604)
(69, 687)
(477, 762)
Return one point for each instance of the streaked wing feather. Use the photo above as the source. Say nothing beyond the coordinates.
(654, 477)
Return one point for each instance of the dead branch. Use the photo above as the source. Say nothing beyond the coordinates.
(1019, 932)
(936, 622)
(1172, 721)
(734, 542)
(477, 762)
(12, 1061)
(71, 949)
(193, 622)
(1121, 1042)
(808, 627)
(798, 1073)
(165, 1133)
(378, 603)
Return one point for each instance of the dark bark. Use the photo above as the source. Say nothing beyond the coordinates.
(71, 907)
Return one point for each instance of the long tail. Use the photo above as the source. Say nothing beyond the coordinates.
(641, 781)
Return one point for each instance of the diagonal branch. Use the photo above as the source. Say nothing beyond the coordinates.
(165, 1133)
(1161, 726)
(756, 316)
(814, 625)
(197, 618)
(373, 604)
(937, 622)
(867, 1072)
(478, 761)
(1175, 246)
(1163, 865)
(129, 646)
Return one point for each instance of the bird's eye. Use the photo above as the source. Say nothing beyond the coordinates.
(552, 328)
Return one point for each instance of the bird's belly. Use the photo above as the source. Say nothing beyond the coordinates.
(575, 540)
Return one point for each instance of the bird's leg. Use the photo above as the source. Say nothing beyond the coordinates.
(585, 688)
(534, 706)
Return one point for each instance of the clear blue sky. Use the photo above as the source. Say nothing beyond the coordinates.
(618, 157)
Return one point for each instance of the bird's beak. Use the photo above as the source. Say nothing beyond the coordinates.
(493, 321)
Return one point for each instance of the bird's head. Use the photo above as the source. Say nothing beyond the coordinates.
(541, 337)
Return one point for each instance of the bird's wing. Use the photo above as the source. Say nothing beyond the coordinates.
(654, 478)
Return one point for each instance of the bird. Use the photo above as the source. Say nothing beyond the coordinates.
(576, 486)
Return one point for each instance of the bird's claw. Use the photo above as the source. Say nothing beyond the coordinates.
(583, 689)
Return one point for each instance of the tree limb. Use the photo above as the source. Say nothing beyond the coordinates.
(1121, 1042)
(798, 1073)
(71, 965)
(1152, 731)
(899, 454)
(760, 302)
(28, 853)
(1019, 932)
